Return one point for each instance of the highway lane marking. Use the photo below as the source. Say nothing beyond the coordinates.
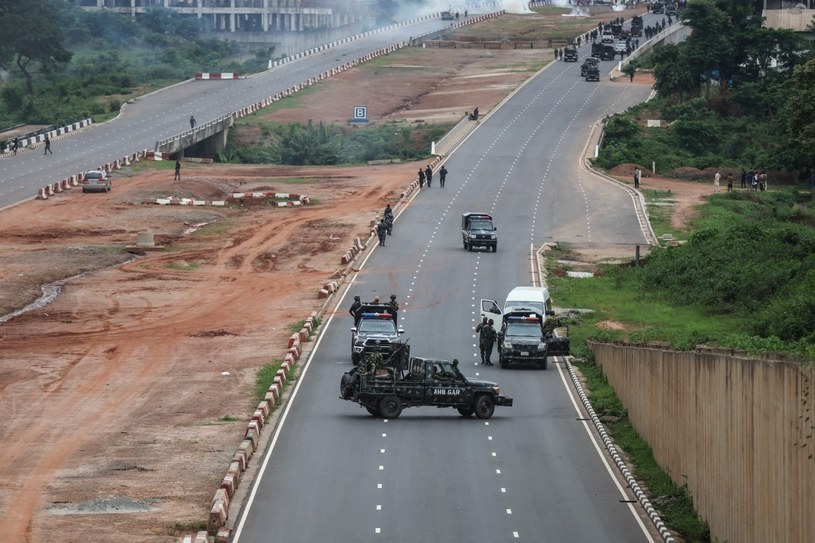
(600, 451)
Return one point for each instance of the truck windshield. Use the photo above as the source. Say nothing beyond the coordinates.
(480, 225)
(376, 325)
(523, 330)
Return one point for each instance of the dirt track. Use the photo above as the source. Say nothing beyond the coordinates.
(124, 398)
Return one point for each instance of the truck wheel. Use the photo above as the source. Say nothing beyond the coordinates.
(345, 386)
(355, 358)
(466, 411)
(390, 407)
(503, 362)
(543, 364)
(484, 407)
(495, 248)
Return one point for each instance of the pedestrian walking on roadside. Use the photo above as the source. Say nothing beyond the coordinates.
(192, 122)
(428, 175)
(730, 182)
(177, 171)
(716, 179)
(442, 176)
(47, 146)
(421, 178)
(637, 177)
(16, 145)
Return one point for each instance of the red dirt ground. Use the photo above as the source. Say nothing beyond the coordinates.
(124, 399)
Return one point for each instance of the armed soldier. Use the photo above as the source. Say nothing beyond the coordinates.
(486, 337)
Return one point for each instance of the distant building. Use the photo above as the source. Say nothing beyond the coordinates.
(787, 14)
(249, 15)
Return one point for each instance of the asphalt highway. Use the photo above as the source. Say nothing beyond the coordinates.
(534, 471)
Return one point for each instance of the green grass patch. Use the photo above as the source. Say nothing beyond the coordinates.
(265, 378)
(178, 529)
(217, 228)
(182, 265)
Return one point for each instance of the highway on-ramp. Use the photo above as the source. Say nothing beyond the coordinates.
(533, 472)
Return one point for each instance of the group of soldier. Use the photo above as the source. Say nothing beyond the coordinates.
(357, 305)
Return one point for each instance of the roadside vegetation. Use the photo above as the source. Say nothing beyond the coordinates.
(734, 95)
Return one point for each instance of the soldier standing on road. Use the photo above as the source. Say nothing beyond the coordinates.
(177, 171)
(442, 176)
(192, 122)
(483, 329)
(355, 309)
(421, 178)
(47, 146)
(491, 336)
(428, 175)
(637, 176)
(393, 303)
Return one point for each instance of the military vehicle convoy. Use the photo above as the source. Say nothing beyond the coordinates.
(384, 387)
(375, 331)
(570, 54)
(478, 230)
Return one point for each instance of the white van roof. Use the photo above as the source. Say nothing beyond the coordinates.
(537, 295)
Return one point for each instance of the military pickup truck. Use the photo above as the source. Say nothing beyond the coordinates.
(385, 387)
(588, 61)
(376, 331)
(570, 54)
(477, 230)
(523, 339)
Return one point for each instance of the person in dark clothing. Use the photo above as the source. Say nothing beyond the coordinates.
(442, 176)
(428, 175)
(354, 310)
(382, 232)
(491, 337)
(15, 145)
(192, 122)
(485, 332)
(47, 146)
(177, 171)
(393, 303)
(421, 178)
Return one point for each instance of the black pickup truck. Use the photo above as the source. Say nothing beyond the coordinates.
(524, 339)
(478, 230)
(384, 387)
(375, 331)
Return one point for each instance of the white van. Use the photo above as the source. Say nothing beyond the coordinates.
(533, 299)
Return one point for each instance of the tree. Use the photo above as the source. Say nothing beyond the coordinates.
(801, 113)
(32, 35)
(673, 76)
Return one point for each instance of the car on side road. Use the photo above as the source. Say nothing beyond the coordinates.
(96, 181)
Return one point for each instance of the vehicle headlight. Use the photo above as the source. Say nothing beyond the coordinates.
(358, 348)
(497, 390)
(507, 345)
(493, 236)
(541, 346)
(471, 236)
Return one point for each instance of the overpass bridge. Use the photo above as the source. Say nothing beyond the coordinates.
(202, 141)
